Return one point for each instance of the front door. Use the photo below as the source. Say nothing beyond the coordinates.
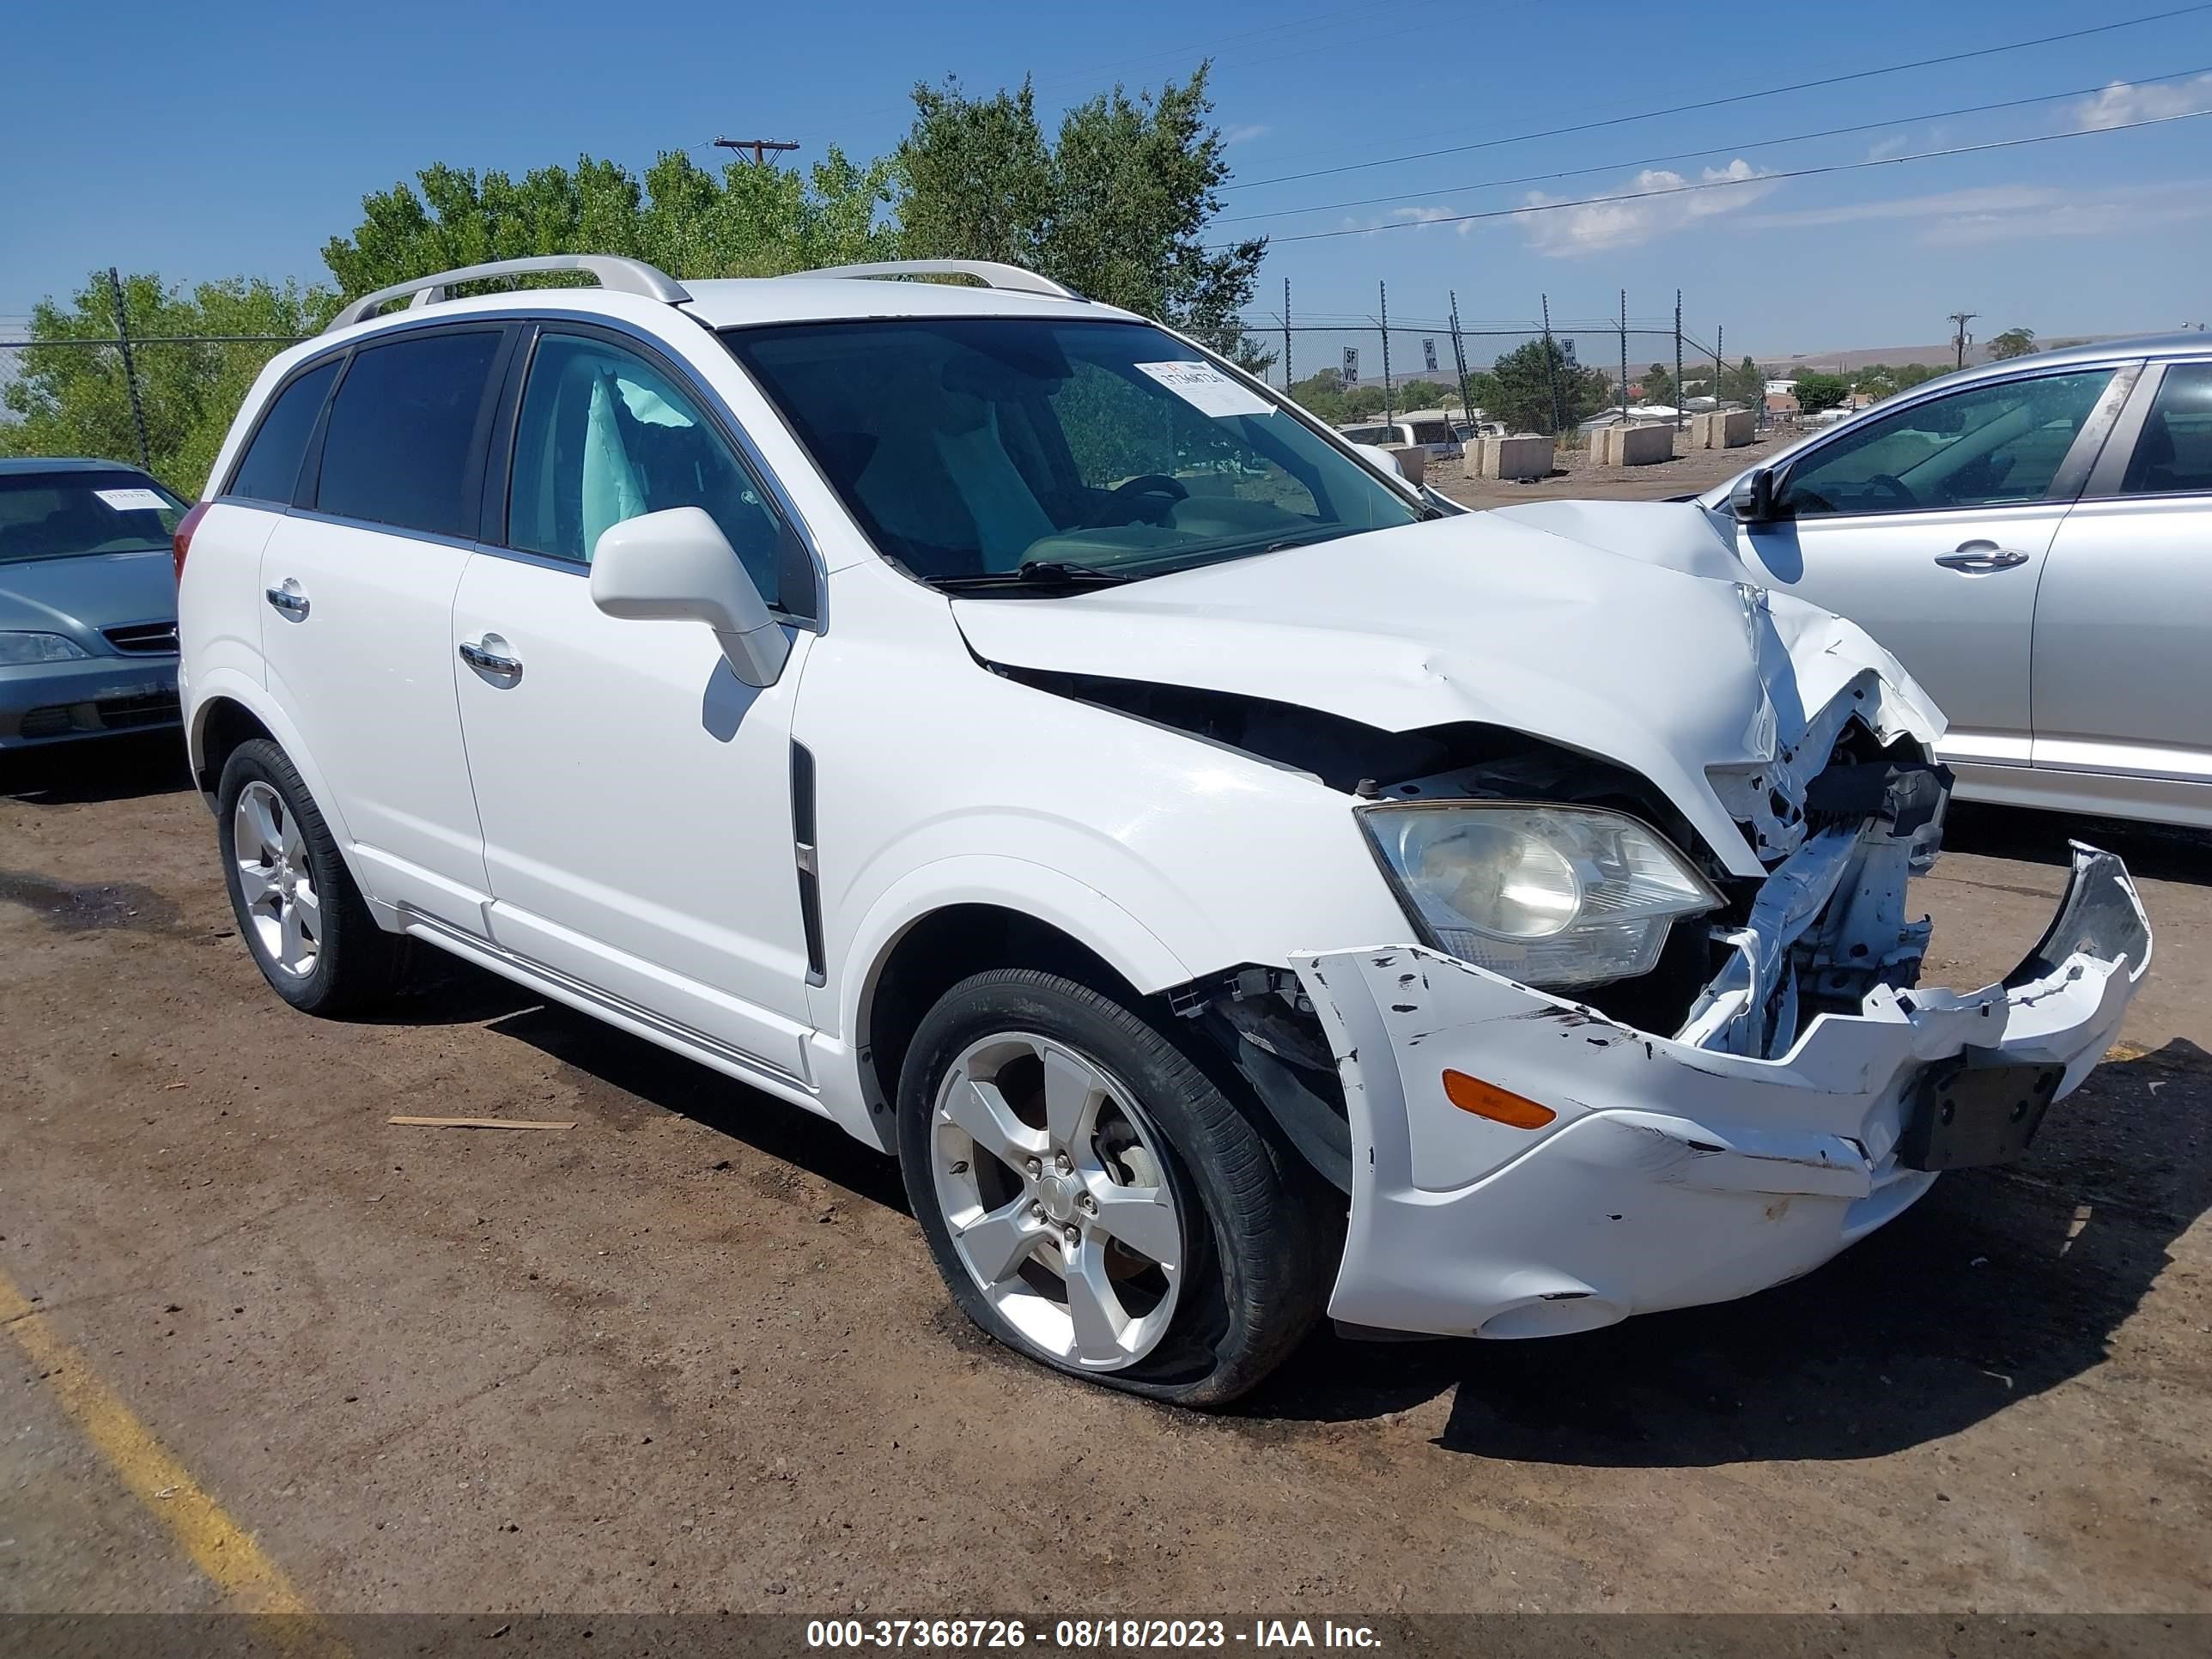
(2123, 622)
(636, 795)
(356, 627)
(1929, 528)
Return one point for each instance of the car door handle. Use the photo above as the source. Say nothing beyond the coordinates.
(1981, 556)
(491, 656)
(289, 599)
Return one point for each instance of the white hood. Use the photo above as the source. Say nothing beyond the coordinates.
(1478, 619)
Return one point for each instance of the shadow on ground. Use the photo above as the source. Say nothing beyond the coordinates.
(2154, 851)
(1999, 1284)
(99, 769)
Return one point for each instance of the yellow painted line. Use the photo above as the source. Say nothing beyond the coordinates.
(217, 1545)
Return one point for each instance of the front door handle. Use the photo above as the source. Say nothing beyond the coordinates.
(1981, 556)
(289, 599)
(492, 655)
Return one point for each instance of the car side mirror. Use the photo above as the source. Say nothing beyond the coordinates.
(1382, 457)
(1751, 498)
(677, 565)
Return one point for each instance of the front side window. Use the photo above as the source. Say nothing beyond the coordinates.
(398, 445)
(605, 436)
(2173, 456)
(1986, 445)
(62, 515)
(971, 449)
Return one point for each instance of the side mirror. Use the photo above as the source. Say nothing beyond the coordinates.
(1751, 498)
(1382, 457)
(677, 565)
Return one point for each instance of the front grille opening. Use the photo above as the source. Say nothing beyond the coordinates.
(151, 639)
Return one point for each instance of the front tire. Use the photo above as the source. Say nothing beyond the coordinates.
(1096, 1202)
(309, 928)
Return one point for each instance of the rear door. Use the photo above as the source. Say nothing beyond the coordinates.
(2123, 622)
(358, 584)
(1928, 527)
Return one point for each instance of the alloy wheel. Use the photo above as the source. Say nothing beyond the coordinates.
(275, 881)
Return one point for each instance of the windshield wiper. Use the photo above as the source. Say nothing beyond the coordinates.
(1035, 573)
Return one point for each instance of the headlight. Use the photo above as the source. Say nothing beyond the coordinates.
(16, 649)
(1550, 895)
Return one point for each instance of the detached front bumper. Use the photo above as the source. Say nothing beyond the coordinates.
(1674, 1175)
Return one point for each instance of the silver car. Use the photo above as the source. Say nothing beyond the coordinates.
(2034, 540)
(87, 601)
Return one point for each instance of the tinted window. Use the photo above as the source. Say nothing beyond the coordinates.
(397, 447)
(2174, 454)
(1983, 447)
(59, 515)
(604, 436)
(271, 467)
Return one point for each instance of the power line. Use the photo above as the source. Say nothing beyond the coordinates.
(1731, 184)
(1733, 98)
(1716, 149)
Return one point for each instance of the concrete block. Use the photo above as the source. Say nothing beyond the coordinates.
(1412, 460)
(1736, 428)
(1603, 446)
(1640, 446)
(1527, 456)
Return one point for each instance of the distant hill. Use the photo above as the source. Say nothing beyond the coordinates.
(1835, 362)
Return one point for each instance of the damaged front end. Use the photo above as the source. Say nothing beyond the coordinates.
(1524, 1161)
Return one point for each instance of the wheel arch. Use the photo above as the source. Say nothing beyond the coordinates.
(230, 710)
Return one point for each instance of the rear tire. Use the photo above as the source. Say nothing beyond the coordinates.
(1098, 1203)
(309, 929)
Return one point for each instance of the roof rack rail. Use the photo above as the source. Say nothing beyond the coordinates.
(992, 273)
(620, 275)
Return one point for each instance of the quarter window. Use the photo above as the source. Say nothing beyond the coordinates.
(2173, 456)
(605, 436)
(402, 432)
(270, 470)
(1986, 445)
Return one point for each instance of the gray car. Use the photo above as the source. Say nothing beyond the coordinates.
(2033, 539)
(87, 601)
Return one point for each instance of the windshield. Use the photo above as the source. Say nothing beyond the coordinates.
(972, 450)
(64, 514)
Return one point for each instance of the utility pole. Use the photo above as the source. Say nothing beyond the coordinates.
(1624, 354)
(1286, 335)
(1459, 358)
(1677, 360)
(760, 147)
(130, 367)
(1383, 288)
(1959, 340)
(1550, 364)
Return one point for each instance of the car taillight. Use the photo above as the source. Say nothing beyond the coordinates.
(182, 542)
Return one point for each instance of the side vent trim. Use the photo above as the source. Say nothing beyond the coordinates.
(810, 877)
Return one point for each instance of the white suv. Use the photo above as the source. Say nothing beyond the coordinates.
(1232, 884)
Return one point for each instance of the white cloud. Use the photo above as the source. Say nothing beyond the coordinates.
(2123, 101)
(2002, 213)
(1892, 145)
(1419, 217)
(1245, 134)
(1643, 210)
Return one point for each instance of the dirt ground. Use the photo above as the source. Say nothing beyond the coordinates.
(691, 1354)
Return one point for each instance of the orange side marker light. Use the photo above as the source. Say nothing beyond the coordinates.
(1472, 1094)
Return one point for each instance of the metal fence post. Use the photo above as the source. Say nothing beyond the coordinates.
(1624, 354)
(130, 369)
(1286, 335)
(1383, 290)
(1550, 365)
(1677, 360)
(1459, 360)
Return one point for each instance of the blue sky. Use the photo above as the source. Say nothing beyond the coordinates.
(200, 143)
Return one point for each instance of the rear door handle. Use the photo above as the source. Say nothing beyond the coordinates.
(289, 599)
(1981, 556)
(491, 655)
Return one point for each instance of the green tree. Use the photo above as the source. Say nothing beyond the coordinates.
(1913, 374)
(2012, 343)
(1745, 384)
(1115, 206)
(748, 220)
(1524, 378)
(1424, 394)
(1818, 391)
(1658, 384)
(73, 399)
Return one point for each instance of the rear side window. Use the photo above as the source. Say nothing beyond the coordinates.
(2174, 454)
(270, 468)
(402, 433)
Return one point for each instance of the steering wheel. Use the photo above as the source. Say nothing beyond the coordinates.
(1892, 490)
(1123, 505)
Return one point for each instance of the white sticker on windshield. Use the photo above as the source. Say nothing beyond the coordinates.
(133, 501)
(1206, 389)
